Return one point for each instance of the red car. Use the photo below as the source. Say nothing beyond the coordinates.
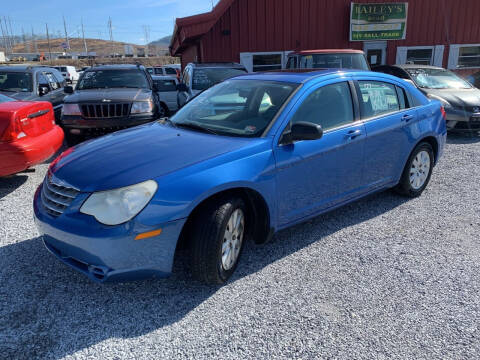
(28, 134)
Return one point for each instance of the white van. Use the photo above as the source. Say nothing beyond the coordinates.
(68, 72)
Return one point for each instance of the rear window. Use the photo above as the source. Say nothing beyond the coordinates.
(328, 61)
(206, 78)
(166, 85)
(377, 98)
(16, 81)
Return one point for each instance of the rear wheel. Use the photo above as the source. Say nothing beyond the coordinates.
(417, 172)
(217, 238)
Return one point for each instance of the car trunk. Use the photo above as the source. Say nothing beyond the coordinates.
(21, 118)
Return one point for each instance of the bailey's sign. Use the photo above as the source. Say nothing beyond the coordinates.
(378, 21)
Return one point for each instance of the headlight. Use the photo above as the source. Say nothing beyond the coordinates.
(444, 102)
(140, 107)
(71, 109)
(114, 207)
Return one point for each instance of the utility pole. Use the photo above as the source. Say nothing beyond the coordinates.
(66, 33)
(34, 40)
(49, 48)
(25, 45)
(111, 35)
(7, 33)
(84, 41)
(146, 34)
(11, 32)
(4, 38)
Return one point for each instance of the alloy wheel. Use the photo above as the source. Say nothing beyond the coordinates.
(420, 169)
(232, 239)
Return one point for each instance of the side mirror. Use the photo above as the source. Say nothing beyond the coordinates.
(303, 130)
(68, 89)
(43, 90)
(182, 87)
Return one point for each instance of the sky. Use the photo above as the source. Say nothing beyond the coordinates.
(128, 17)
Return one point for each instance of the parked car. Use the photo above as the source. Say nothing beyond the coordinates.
(69, 73)
(294, 146)
(199, 77)
(166, 70)
(33, 83)
(28, 134)
(474, 79)
(328, 59)
(166, 87)
(82, 70)
(109, 98)
(459, 98)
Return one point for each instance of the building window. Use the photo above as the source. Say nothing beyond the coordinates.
(469, 56)
(464, 56)
(420, 56)
(267, 62)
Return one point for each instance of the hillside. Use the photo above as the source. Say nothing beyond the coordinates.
(162, 43)
(99, 46)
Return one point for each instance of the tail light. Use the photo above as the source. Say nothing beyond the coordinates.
(444, 114)
(14, 131)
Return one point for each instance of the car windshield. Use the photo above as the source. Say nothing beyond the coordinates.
(329, 61)
(205, 78)
(242, 108)
(4, 98)
(437, 79)
(15, 81)
(104, 79)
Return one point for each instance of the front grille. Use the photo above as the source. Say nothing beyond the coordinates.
(104, 111)
(56, 197)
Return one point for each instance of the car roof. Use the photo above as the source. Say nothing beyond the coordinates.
(116, 67)
(303, 75)
(24, 68)
(217, 65)
(327, 51)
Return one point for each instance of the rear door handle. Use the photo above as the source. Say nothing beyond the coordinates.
(354, 134)
(407, 117)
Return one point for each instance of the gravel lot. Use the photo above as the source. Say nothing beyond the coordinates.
(382, 278)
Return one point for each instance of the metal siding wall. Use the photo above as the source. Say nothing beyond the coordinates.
(278, 25)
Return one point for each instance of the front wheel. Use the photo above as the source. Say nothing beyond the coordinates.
(216, 240)
(417, 172)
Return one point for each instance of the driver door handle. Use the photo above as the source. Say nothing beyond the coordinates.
(354, 134)
(407, 117)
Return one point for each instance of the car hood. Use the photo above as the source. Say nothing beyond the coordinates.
(21, 95)
(138, 154)
(109, 95)
(458, 97)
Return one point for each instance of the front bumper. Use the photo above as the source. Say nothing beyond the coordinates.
(460, 119)
(83, 126)
(107, 253)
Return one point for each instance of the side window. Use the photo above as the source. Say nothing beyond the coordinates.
(170, 71)
(42, 79)
(377, 98)
(330, 106)
(402, 98)
(52, 81)
(60, 79)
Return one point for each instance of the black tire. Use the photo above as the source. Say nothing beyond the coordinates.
(207, 238)
(405, 187)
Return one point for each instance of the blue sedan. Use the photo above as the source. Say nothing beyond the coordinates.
(243, 160)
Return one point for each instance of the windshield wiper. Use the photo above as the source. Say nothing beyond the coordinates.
(193, 126)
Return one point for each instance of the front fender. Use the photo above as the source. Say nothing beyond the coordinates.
(181, 192)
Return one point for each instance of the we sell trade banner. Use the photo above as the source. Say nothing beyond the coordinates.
(379, 21)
